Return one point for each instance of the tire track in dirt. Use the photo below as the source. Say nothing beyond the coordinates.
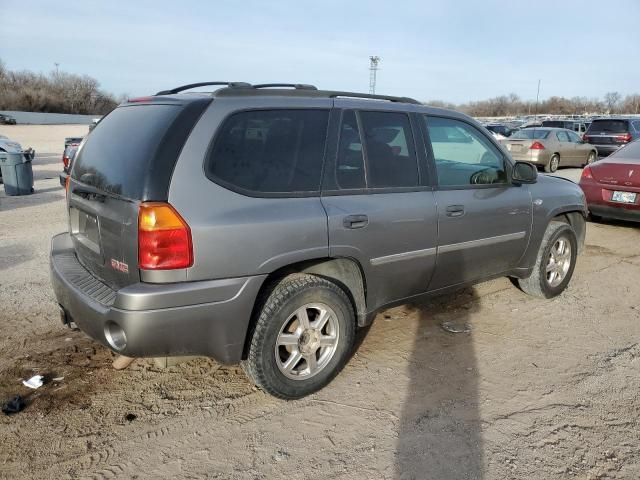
(100, 465)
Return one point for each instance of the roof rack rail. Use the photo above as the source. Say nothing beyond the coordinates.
(203, 84)
(332, 94)
(297, 86)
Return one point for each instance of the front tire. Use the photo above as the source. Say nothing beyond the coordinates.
(555, 262)
(303, 336)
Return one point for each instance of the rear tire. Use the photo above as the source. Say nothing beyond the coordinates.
(555, 262)
(303, 336)
(553, 164)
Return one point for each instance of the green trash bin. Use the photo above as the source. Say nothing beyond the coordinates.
(17, 173)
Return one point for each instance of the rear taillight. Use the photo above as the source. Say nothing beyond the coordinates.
(536, 146)
(164, 238)
(586, 174)
(626, 137)
(65, 161)
(585, 137)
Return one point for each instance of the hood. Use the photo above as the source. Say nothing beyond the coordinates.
(560, 189)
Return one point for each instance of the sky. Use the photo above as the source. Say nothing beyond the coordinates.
(456, 51)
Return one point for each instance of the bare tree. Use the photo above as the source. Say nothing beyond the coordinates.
(612, 99)
(58, 92)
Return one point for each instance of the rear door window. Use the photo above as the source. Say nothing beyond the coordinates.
(389, 149)
(270, 151)
(117, 154)
(350, 172)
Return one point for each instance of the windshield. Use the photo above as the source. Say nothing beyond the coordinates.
(530, 134)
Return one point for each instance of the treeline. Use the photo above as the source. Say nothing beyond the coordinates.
(512, 105)
(58, 92)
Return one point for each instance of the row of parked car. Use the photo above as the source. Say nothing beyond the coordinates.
(556, 143)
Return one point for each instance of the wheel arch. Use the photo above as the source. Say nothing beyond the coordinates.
(347, 273)
(578, 223)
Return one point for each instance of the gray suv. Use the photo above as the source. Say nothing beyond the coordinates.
(263, 224)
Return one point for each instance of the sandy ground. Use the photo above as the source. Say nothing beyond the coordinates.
(537, 390)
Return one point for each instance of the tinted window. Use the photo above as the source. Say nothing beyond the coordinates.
(350, 162)
(562, 136)
(609, 126)
(270, 151)
(117, 154)
(463, 155)
(636, 125)
(530, 134)
(391, 157)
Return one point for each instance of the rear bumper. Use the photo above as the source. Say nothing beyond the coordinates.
(537, 157)
(604, 150)
(206, 318)
(616, 213)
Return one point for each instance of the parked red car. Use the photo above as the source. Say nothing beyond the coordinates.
(612, 185)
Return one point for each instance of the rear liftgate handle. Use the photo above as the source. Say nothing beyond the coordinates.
(455, 210)
(355, 221)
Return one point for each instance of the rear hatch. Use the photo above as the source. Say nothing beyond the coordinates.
(608, 132)
(127, 159)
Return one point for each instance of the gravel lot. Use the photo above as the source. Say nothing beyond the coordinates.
(537, 390)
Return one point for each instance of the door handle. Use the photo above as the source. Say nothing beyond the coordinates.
(355, 221)
(455, 210)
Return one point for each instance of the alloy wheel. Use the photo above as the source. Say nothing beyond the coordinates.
(558, 262)
(307, 341)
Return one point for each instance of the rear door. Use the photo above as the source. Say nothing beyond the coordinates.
(380, 208)
(581, 149)
(484, 221)
(114, 170)
(565, 147)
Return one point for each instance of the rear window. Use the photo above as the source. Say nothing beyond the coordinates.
(553, 123)
(530, 134)
(116, 155)
(270, 151)
(609, 126)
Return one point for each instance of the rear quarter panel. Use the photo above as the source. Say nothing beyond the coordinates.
(233, 234)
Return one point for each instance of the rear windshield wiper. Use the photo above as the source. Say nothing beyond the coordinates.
(89, 194)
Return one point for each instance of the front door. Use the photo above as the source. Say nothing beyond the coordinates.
(484, 221)
(380, 211)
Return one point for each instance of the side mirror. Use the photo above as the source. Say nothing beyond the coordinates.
(524, 172)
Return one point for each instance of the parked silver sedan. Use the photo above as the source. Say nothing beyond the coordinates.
(550, 148)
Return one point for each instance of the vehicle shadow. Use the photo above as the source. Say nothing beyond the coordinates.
(440, 434)
(48, 159)
(38, 197)
(15, 254)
